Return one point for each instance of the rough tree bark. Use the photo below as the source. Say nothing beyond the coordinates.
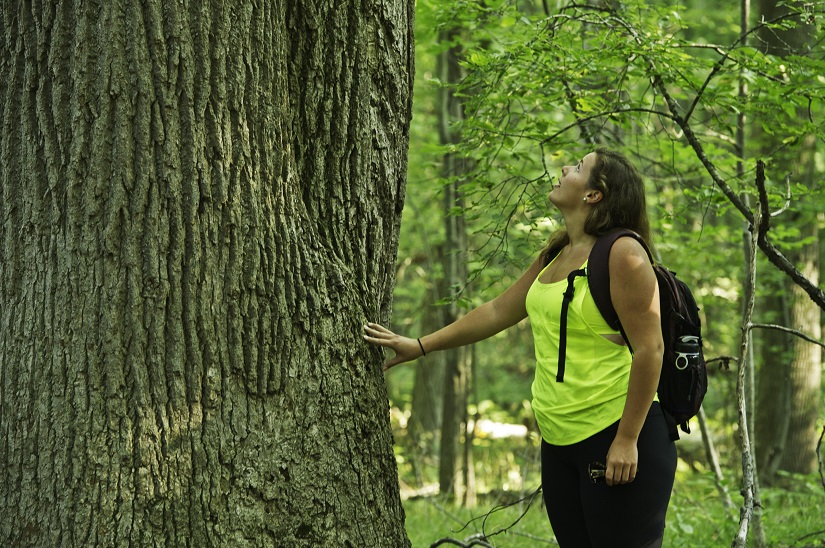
(200, 208)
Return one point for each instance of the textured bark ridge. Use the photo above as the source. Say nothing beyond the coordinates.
(200, 208)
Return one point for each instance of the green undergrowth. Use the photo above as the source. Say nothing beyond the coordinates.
(793, 516)
(507, 472)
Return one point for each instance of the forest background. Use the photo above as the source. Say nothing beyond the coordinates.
(696, 94)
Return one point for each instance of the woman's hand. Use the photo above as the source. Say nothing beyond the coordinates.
(622, 462)
(406, 349)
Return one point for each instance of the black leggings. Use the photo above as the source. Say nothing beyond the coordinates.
(584, 514)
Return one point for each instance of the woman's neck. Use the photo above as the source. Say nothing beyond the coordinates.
(578, 237)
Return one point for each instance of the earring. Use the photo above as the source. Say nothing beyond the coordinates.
(584, 199)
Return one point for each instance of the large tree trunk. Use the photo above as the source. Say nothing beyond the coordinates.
(200, 207)
(786, 418)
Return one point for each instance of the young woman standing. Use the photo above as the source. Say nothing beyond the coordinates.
(599, 409)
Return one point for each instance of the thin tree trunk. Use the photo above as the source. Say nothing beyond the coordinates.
(806, 367)
(750, 503)
(457, 368)
(427, 407)
(200, 208)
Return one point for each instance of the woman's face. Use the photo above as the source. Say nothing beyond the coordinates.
(572, 187)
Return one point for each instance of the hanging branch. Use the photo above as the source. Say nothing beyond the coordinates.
(774, 255)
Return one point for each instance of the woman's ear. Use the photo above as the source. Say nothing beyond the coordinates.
(593, 196)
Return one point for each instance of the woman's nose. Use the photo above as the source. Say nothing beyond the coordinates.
(564, 170)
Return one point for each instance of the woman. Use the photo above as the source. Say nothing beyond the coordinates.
(603, 408)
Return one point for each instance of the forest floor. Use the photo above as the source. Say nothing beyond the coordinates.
(505, 515)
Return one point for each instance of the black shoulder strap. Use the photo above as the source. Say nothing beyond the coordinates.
(598, 273)
(565, 305)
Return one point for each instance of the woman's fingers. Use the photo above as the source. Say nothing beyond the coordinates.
(377, 334)
(405, 349)
(378, 328)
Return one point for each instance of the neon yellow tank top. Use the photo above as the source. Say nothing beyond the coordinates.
(597, 370)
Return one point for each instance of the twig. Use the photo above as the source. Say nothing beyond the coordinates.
(500, 507)
(480, 539)
(530, 497)
(809, 535)
(448, 514)
(787, 204)
(713, 458)
(724, 362)
(604, 114)
(819, 458)
(474, 540)
(726, 54)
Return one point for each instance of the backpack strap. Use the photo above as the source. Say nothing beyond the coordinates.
(598, 274)
(565, 305)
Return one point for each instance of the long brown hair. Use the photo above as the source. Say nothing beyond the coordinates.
(623, 203)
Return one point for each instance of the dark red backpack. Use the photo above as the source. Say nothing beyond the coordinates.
(684, 380)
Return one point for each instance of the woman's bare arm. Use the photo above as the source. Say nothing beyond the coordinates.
(635, 294)
(480, 323)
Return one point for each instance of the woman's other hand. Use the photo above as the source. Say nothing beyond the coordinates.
(405, 348)
(622, 462)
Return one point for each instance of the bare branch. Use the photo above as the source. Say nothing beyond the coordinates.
(606, 114)
(780, 261)
(773, 254)
(788, 330)
(724, 362)
(770, 251)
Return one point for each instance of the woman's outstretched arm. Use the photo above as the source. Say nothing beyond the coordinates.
(480, 323)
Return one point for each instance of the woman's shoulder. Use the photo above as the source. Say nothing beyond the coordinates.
(627, 253)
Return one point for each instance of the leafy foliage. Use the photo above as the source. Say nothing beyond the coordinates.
(542, 88)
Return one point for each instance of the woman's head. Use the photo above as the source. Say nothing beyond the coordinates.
(618, 200)
(623, 196)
